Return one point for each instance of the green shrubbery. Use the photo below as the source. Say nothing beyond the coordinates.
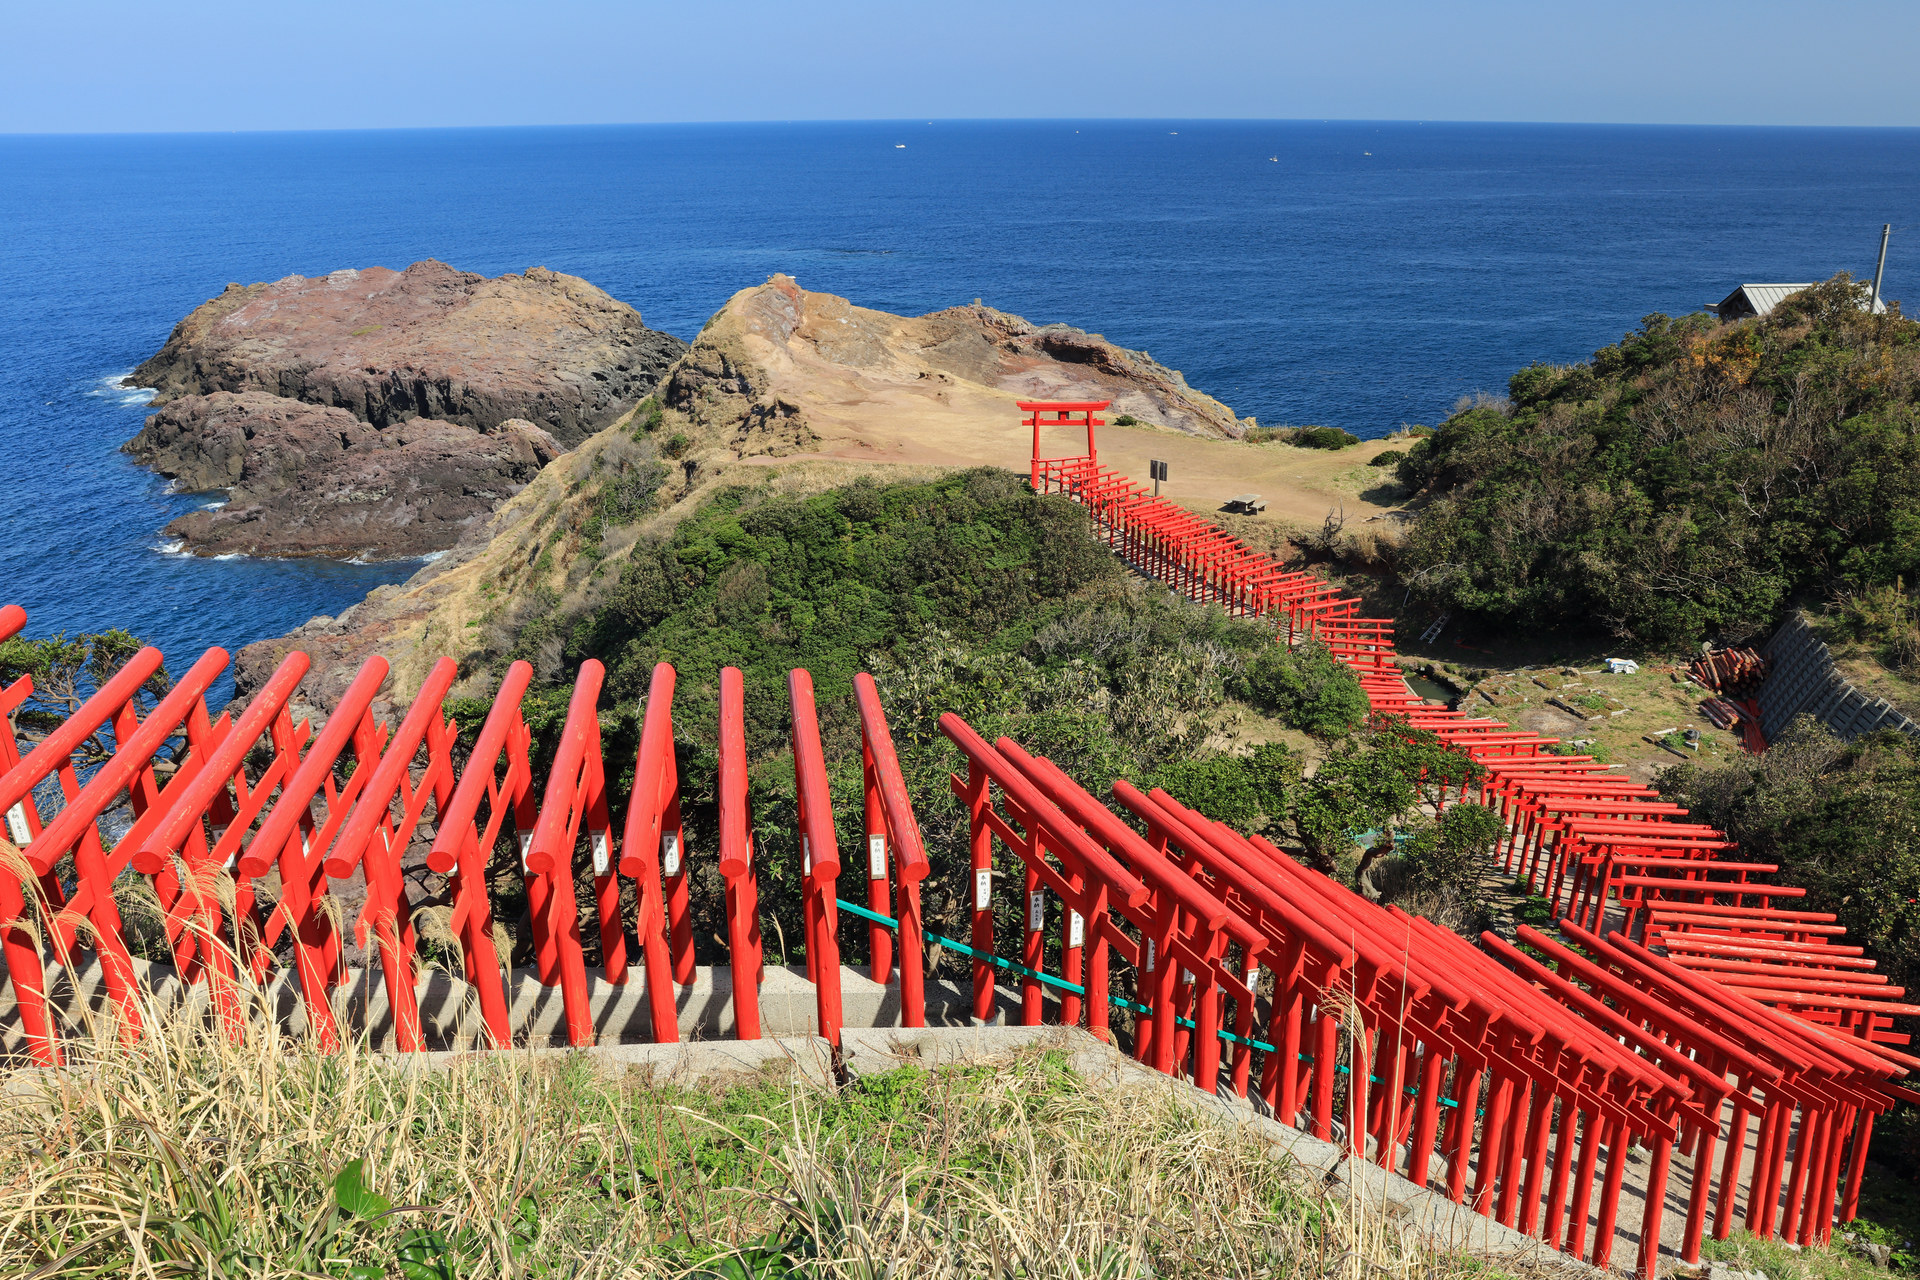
(1838, 819)
(1324, 438)
(1306, 688)
(973, 595)
(825, 582)
(1447, 861)
(1302, 437)
(1693, 478)
(648, 415)
(1885, 620)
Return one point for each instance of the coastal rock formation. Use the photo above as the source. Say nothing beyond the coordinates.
(784, 370)
(307, 480)
(427, 342)
(802, 391)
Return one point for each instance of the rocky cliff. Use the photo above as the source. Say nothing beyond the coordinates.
(783, 386)
(379, 413)
(427, 342)
(308, 480)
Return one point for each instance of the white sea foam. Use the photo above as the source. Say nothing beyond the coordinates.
(114, 387)
(361, 559)
(173, 547)
(215, 506)
(231, 555)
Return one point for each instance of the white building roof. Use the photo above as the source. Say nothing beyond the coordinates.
(1762, 298)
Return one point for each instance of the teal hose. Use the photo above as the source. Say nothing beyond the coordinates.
(1132, 1006)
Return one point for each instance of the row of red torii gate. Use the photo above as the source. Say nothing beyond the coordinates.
(1684, 1005)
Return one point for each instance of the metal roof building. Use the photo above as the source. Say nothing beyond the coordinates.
(1759, 299)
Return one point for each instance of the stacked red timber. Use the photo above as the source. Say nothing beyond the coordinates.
(1734, 675)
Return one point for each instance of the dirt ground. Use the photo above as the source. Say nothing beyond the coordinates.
(1636, 721)
(975, 428)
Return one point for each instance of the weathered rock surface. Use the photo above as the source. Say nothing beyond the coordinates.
(427, 342)
(788, 371)
(309, 480)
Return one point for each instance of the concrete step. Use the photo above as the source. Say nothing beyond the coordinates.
(450, 1011)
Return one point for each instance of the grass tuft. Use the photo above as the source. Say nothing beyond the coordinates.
(185, 1154)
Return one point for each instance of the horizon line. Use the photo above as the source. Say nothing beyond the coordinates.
(920, 122)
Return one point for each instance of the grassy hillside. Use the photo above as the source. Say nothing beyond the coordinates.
(1690, 480)
(183, 1156)
(971, 594)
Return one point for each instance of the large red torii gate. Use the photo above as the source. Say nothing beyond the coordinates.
(1063, 412)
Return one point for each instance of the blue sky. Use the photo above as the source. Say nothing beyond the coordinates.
(80, 66)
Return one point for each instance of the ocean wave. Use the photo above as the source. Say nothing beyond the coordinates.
(114, 387)
(215, 506)
(176, 547)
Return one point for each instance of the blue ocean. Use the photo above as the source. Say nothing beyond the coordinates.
(1354, 274)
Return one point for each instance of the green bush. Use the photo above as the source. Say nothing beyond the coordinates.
(1448, 859)
(648, 416)
(1837, 818)
(823, 582)
(1306, 688)
(1248, 792)
(1324, 438)
(1415, 467)
(1885, 620)
(1386, 458)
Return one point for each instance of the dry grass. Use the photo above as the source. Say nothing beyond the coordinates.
(186, 1155)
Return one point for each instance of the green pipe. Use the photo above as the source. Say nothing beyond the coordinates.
(1132, 1006)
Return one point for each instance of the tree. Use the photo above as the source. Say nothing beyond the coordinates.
(1360, 787)
(66, 671)
(1446, 862)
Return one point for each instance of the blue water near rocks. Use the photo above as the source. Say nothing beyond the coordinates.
(1356, 274)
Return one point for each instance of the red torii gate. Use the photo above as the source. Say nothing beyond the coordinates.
(1063, 412)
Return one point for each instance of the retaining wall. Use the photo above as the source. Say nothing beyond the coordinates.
(1802, 680)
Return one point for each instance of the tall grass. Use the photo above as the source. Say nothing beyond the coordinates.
(186, 1155)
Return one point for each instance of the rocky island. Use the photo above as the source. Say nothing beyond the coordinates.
(380, 413)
